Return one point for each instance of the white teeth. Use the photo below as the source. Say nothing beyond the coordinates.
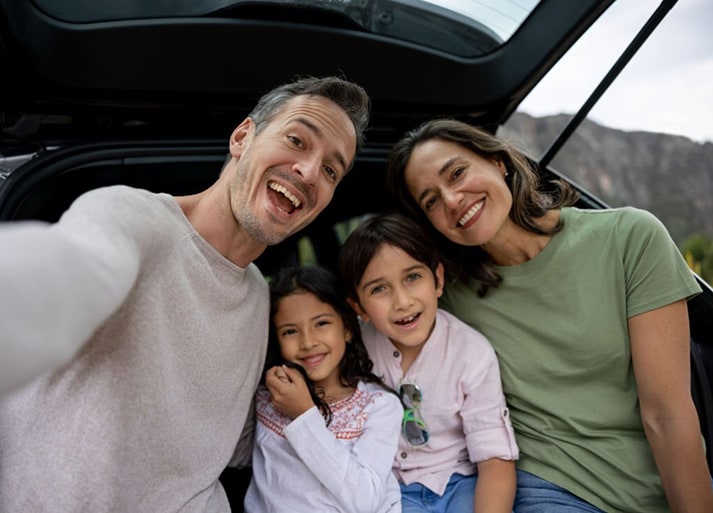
(469, 215)
(287, 194)
(407, 320)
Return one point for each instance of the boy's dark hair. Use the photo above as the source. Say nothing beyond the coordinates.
(387, 228)
(350, 97)
(355, 364)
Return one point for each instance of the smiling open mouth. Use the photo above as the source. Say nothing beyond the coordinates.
(287, 200)
(408, 320)
(314, 360)
(469, 215)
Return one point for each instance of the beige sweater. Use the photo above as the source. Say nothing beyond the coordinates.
(148, 411)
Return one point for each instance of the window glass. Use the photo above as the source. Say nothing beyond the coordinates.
(461, 27)
(647, 142)
(501, 16)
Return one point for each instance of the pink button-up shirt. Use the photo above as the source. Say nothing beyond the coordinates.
(463, 403)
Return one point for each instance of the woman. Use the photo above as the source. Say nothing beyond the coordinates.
(587, 312)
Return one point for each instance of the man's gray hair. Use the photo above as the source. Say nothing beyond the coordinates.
(350, 97)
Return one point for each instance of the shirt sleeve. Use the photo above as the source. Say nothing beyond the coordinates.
(59, 282)
(356, 476)
(656, 272)
(242, 455)
(486, 419)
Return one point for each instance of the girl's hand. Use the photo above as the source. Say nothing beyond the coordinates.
(288, 390)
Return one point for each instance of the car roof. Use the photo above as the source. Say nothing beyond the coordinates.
(200, 64)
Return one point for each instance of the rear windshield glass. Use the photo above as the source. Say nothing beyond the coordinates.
(462, 27)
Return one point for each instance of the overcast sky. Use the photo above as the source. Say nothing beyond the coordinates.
(667, 87)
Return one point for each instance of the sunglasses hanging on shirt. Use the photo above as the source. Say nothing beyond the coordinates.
(413, 427)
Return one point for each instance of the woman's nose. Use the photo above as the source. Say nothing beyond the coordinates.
(452, 197)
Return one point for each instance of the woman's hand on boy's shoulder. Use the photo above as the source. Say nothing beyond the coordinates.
(288, 390)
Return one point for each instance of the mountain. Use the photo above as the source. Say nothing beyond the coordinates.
(669, 175)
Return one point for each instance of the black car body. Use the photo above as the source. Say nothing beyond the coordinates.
(146, 94)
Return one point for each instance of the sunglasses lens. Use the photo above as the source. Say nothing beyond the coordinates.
(415, 434)
(410, 395)
(414, 429)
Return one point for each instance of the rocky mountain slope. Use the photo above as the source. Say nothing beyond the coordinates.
(672, 176)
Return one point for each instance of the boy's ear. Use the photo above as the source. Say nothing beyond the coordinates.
(440, 279)
(240, 137)
(358, 309)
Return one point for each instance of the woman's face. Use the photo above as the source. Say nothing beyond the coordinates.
(464, 195)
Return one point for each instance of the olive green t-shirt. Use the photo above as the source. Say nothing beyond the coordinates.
(558, 324)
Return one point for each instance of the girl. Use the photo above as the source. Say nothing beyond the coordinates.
(587, 312)
(456, 424)
(327, 429)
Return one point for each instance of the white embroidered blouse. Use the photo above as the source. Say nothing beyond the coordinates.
(302, 465)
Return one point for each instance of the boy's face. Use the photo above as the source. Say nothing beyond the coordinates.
(399, 295)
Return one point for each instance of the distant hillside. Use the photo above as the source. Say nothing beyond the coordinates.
(672, 176)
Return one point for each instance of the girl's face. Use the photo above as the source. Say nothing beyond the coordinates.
(464, 195)
(399, 295)
(311, 334)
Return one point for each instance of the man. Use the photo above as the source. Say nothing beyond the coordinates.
(134, 329)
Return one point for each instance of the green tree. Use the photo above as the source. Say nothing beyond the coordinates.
(698, 251)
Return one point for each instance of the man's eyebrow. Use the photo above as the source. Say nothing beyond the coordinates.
(448, 163)
(317, 132)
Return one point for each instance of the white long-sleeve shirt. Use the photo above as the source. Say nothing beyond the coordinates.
(147, 345)
(302, 465)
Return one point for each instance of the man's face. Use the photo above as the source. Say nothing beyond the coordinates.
(287, 173)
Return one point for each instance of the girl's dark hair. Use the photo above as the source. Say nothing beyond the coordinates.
(322, 283)
(389, 228)
(531, 198)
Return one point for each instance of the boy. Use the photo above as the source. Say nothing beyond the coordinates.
(457, 447)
